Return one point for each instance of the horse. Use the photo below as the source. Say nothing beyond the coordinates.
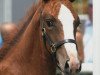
(79, 40)
(45, 41)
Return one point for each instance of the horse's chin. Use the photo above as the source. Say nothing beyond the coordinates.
(66, 70)
(63, 70)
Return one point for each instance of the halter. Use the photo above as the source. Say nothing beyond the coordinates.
(54, 46)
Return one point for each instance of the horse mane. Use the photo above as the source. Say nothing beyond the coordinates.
(22, 25)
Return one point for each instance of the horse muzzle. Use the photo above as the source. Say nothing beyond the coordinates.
(71, 70)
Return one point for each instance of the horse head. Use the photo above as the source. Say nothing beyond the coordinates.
(59, 23)
(56, 22)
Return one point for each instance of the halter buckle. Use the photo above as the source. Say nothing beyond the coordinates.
(53, 48)
(43, 31)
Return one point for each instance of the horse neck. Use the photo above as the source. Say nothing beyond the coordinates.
(35, 47)
(30, 49)
(30, 40)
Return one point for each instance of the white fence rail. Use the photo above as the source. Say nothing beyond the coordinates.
(87, 67)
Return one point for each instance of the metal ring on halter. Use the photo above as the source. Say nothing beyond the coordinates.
(53, 48)
(43, 31)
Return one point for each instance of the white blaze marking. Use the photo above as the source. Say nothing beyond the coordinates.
(66, 18)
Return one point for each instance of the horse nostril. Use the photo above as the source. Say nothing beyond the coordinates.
(67, 69)
(78, 70)
(66, 64)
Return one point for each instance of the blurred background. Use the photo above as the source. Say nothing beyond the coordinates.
(14, 11)
(84, 8)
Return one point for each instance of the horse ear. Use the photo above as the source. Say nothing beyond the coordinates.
(71, 0)
(45, 1)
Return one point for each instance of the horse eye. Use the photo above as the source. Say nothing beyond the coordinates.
(50, 23)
